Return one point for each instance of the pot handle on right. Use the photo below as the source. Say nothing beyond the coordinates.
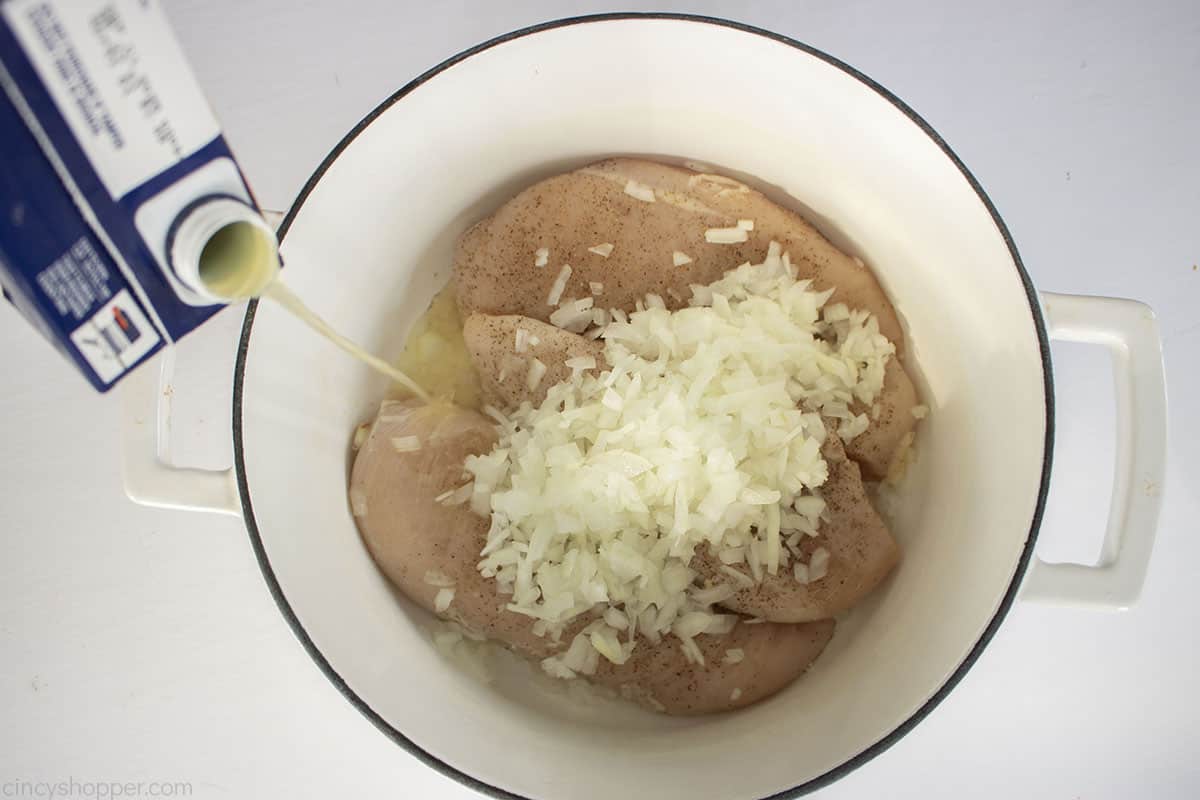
(1130, 332)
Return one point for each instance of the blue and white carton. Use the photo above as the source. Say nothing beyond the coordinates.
(109, 151)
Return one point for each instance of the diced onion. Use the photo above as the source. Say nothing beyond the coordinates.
(435, 577)
(700, 428)
(537, 370)
(639, 191)
(574, 316)
(580, 362)
(818, 564)
(456, 497)
(734, 235)
(406, 444)
(559, 285)
(691, 652)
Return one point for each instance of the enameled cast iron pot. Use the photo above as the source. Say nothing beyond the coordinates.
(369, 242)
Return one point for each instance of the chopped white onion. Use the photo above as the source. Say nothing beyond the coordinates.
(691, 652)
(746, 224)
(734, 235)
(679, 258)
(580, 362)
(734, 655)
(541, 257)
(456, 497)
(615, 618)
(596, 287)
(700, 427)
(537, 370)
(435, 577)
(443, 599)
(639, 190)
(406, 444)
(555, 668)
(602, 250)
(559, 286)
(574, 316)
(818, 564)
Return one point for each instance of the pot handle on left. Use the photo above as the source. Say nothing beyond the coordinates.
(146, 470)
(1130, 332)
(149, 477)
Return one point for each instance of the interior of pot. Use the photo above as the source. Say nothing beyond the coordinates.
(371, 244)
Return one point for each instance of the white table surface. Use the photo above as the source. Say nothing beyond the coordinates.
(138, 644)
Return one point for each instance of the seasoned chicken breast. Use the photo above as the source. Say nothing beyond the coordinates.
(496, 272)
(861, 554)
(411, 536)
(504, 373)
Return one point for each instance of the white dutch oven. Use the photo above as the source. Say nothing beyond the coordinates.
(369, 242)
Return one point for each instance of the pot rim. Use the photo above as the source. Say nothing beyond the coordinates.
(1010, 594)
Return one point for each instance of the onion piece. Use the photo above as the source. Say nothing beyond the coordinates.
(818, 564)
(406, 444)
(735, 235)
(639, 191)
(580, 362)
(559, 285)
(456, 497)
(537, 370)
(435, 577)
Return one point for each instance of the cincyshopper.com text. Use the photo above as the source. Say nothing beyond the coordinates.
(89, 789)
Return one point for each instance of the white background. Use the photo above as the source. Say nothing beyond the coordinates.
(143, 645)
